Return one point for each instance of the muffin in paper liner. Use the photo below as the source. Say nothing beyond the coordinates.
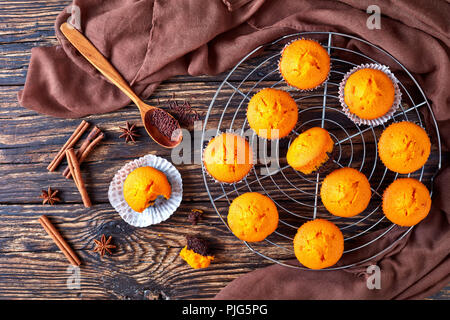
(292, 86)
(162, 208)
(388, 115)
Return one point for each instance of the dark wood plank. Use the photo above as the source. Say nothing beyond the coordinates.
(146, 258)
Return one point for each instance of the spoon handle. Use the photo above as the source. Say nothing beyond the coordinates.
(90, 52)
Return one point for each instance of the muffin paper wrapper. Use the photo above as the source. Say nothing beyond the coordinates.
(162, 208)
(392, 110)
(291, 86)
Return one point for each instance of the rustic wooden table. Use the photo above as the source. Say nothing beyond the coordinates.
(146, 263)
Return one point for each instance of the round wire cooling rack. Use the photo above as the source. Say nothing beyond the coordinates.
(296, 195)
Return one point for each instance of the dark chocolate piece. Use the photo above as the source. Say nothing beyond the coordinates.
(194, 216)
(197, 245)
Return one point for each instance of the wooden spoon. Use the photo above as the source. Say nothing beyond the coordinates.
(87, 49)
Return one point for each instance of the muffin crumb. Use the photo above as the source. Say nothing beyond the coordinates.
(194, 216)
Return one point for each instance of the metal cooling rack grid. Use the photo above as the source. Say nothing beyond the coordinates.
(296, 195)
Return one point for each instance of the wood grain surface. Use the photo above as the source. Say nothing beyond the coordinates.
(146, 264)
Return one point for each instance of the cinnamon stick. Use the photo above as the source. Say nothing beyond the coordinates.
(69, 144)
(91, 146)
(59, 241)
(84, 146)
(74, 168)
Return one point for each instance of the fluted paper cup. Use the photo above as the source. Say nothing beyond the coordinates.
(391, 111)
(162, 208)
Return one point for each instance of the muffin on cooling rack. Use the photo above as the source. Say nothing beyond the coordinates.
(369, 94)
(404, 147)
(272, 113)
(406, 202)
(252, 217)
(318, 244)
(304, 64)
(228, 158)
(345, 192)
(310, 150)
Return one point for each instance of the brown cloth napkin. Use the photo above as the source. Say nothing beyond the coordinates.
(149, 41)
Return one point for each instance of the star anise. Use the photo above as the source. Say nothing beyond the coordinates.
(129, 132)
(103, 245)
(49, 196)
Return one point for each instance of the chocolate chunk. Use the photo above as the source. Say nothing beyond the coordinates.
(197, 245)
(194, 216)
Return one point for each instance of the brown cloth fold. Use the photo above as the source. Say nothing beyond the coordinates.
(149, 41)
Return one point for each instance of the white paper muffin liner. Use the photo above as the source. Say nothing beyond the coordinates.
(290, 85)
(391, 111)
(162, 208)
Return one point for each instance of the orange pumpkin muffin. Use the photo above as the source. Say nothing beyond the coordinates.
(369, 93)
(252, 217)
(345, 192)
(406, 202)
(272, 109)
(318, 244)
(310, 150)
(404, 147)
(143, 185)
(304, 64)
(228, 158)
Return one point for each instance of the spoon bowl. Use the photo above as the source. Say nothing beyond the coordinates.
(147, 114)
(90, 52)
